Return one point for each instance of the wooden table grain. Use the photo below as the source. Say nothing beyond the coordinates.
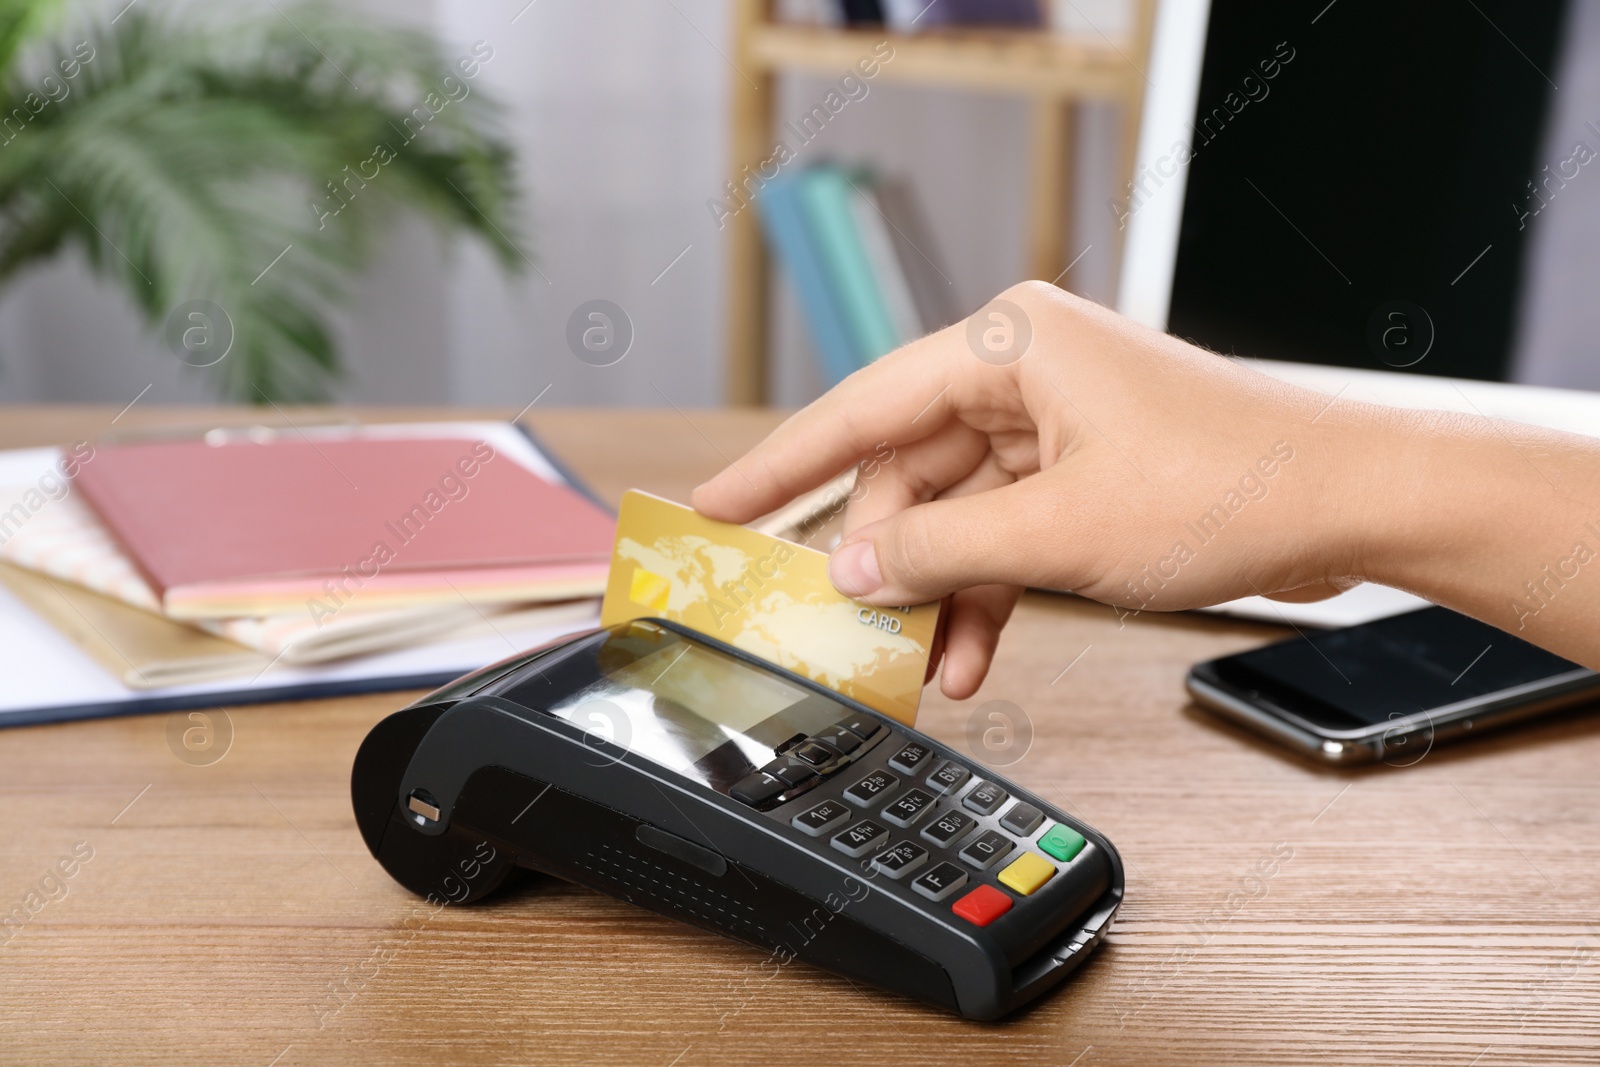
(1277, 911)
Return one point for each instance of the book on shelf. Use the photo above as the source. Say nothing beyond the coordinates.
(911, 16)
(1014, 13)
(783, 219)
(810, 12)
(862, 263)
(861, 12)
(827, 194)
(917, 253)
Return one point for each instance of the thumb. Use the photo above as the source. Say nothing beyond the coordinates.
(997, 537)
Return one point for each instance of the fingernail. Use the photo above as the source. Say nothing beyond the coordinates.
(854, 569)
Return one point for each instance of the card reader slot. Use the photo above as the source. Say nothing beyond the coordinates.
(1065, 952)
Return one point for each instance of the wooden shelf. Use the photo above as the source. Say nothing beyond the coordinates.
(1053, 72)
(1030, 62)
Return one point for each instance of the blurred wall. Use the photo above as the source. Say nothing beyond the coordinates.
(618, 110)
(1556, 342)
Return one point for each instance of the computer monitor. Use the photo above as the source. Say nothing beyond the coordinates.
(1348, 183)
(1343, 193)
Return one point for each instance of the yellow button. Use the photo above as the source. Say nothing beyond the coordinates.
(1028, 873)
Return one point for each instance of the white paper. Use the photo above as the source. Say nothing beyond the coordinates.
(39, 668)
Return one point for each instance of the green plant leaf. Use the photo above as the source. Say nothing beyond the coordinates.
(230, 159)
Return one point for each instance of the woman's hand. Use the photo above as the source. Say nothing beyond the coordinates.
(1046, 441)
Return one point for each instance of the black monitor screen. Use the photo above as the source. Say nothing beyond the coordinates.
(1361, 180)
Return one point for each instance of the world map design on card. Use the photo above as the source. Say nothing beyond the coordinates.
(768, 597)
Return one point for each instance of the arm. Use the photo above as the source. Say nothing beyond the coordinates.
(1135, 469)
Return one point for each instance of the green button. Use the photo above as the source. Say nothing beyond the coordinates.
(1061, 842)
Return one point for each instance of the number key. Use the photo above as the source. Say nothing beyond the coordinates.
(948, 777)
(860, 839)
(912, 758)
(985, 798)
(986, 848)
(822, 818)
(900, 859)
(907, 806)
(948, 828)
(866, 792)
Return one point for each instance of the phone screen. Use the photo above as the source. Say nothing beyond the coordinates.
(1384, 670)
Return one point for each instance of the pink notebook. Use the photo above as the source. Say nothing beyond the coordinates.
(251, 528)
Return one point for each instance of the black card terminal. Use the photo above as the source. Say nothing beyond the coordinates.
(681, 775)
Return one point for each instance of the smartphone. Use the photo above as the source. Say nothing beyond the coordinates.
(1389, 690)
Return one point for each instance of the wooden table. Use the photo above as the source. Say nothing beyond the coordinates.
(1445, 913)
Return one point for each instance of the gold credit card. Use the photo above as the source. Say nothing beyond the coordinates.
(768, 597)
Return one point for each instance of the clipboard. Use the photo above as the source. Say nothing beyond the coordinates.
(50, 679)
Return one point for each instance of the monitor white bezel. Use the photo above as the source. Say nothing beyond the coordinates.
(1152, 208)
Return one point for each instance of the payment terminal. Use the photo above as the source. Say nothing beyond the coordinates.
(663, 768)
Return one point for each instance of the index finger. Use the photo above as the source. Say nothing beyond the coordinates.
(900, 398)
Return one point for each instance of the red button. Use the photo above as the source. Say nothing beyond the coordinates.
(983, 905)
